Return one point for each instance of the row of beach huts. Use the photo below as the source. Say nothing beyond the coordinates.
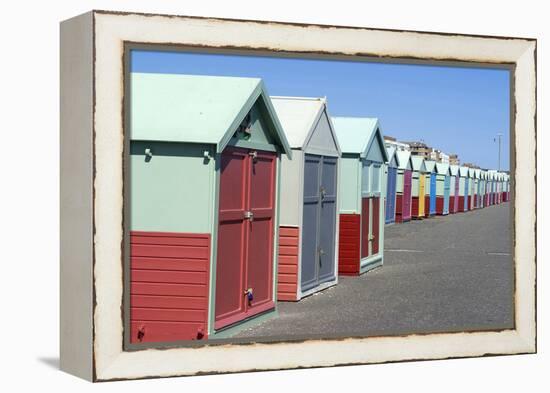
(239, 200)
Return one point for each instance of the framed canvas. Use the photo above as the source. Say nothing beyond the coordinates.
(99, 339)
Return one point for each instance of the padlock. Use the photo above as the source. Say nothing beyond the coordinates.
(249, 295)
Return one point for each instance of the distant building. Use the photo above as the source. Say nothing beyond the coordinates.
(453, 159)
(471, 165)
(420, 149)
(439, 156)
(390, 141)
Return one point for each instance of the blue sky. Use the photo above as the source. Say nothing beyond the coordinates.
(455, 109)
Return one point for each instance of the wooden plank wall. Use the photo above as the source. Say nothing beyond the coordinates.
(349, 244)
(169, 275)
(287, 276)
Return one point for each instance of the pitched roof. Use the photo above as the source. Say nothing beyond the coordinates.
(356, 134)
(299, 116)
(442, 168)
(195, 108)
(417, 163)
(403, 158)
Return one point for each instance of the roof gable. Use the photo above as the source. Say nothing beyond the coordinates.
(463, 171)
(430, 166)
(442, 168)
(454, 170)
(196, 108)
(392, 158)
(360, 135)
(417, 163)
(403, 159)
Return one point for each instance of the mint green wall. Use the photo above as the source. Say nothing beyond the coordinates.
(399, 184)
(453, 183)
(172, 191)
(461, 186)
(350, 183)
(440, 184)
(415, 183)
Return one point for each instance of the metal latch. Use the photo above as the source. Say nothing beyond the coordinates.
(323, 192)
(249, 215)
(371, 238)
(249, 293)
(253, 154)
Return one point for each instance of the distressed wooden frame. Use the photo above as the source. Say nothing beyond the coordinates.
(92, 189)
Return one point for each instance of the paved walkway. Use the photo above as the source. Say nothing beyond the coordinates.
(450, 273)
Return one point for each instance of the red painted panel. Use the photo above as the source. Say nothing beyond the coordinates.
(232, 232)
(461, 203)
(452, 204)
(259, 268)
(375, 225)
(168, 295)
(414, 208)
(287, 278)
(349, 244)
(426, 205)
(365, 219)
(407, 194)
(399, 208)
(439, 202)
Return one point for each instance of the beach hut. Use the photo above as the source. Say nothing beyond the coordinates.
(477, 173)
(473, 189)
(361, 240)
(204, 157)
(391, 183)
(308, 223)
(482, 183)
(506, 188)
(455, 187)
(443, 188)
(493, 186)
(464, 188)
(430, 188)
(403, 188)
(418, 187)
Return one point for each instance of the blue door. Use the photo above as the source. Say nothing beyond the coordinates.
(432, 193)
(446, 194)
(466, 189)
(390, 195)
(327, 236)
(319, 221)
(310, 223)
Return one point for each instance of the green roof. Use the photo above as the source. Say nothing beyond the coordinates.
(195, 108)
(356, 134)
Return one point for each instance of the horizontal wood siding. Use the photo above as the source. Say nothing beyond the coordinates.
(439, 204)
(399, 208)
(426, 206)
(169, 276)
(349, 244)
(287, 272)
(461, 203)
(414, 208)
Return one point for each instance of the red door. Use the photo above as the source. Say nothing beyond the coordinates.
(375, 225)
(244, 275)
(365, 219)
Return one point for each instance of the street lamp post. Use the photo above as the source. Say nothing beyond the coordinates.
(499, 135)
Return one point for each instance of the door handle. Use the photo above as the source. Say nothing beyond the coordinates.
(248, 215)
(323, 192)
